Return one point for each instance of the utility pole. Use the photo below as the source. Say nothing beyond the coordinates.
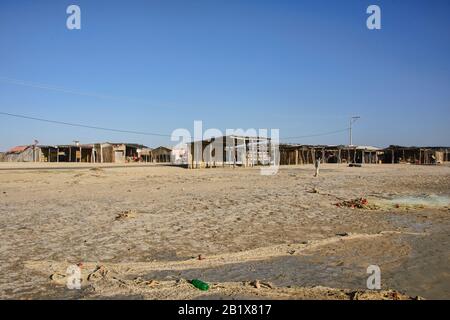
(35, 143)
(352, 120)
(77, 143)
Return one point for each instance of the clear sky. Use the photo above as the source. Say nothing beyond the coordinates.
(301, 66)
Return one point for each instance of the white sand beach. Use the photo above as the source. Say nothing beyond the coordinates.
(138, 231)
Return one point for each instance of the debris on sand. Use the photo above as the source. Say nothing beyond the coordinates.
(99, 273)
(147, 283)
(376, 295)
(260, 284)
(102, 283)
(359, 203)
(343, 234)
(255, 284)
(355, 165)
(268, 285)
(199, 284)
(58, 277)
(127, 214)
(200, 257)
(313, 190)
(181, 281)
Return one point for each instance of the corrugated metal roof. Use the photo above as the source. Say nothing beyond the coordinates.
(133, 145)
(17, 149)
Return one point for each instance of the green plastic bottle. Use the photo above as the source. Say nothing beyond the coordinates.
(199, 284)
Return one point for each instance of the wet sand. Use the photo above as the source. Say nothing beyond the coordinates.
(147, 225)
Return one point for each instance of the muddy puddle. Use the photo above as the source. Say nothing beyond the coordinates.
(418, 265)
(423, 200)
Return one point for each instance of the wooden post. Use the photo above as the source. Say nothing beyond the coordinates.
(224, 151)
(245, 163)
(190, 157)
(234, 151)
(250, 152)
(257, 151)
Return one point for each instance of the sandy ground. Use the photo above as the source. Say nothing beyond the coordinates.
(137, 232)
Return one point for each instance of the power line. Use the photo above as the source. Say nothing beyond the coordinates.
(102, 96)
(84, 125)
(50, 87)
(137, 132)
(317, 134)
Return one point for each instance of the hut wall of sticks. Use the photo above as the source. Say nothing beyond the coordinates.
(162, 155)
(21, 154)
(90, 153)
(307, 154)
(66, 153)
(232, 150)
(416, 155)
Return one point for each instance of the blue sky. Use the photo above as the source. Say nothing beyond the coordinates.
(301, 66)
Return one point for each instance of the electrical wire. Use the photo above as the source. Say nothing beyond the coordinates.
(83, 125)
(139, 132)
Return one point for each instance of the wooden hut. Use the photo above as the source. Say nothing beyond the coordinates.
(94, 153)
(307, 154)
(117, 152)
(21, 154)
(416, 155)
(162, 155)
(66, 153)
(146, 155)
(232, 150)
